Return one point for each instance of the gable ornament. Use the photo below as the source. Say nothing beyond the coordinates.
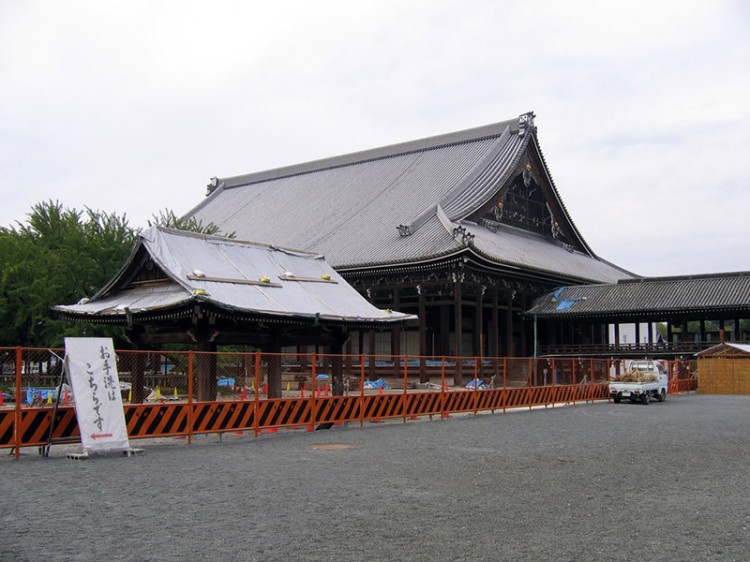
(525, 123)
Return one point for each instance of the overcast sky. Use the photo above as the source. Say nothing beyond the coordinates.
(643, 107)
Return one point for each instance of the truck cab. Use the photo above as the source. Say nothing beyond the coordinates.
(647, 366)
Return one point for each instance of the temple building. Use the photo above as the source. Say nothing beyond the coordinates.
(452, 246)
(464, 230)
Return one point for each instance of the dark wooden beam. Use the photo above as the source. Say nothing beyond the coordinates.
(458, 335)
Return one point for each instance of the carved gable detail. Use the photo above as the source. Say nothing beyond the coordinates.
(523, 203)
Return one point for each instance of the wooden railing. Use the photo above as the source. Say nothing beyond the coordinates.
(660, 350)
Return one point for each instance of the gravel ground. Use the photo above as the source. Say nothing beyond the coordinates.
(667, 481)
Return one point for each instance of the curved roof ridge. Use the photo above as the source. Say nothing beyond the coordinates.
(476, 191)
(479, 183)
(388, 151)
(476, 170)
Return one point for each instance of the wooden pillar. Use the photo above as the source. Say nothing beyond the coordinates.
(348, 365)
(248, 369)
(138, 377)
(445, 330)
(669, 332)
(458, 336)
(136, 364)
(494, 327)
(637, 333)
(337, 381)
(205, 370)
(371, 352)
(274, 368)
(524, 351)
(396, 335)
(422, 335)
(479, 325)
(371, 343)
(509, 329)
(205, 360)
(736, 336)
(650, 333)
(495, 337)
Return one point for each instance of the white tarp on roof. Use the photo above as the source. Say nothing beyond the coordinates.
(740, 346)
(229, 274)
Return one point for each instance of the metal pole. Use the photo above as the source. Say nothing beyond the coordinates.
(190, 389)
(17, 434)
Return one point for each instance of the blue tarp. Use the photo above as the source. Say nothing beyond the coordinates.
(477, 384)
(378, 384)
(32, 393)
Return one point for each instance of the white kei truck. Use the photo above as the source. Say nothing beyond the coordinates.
(645, 379)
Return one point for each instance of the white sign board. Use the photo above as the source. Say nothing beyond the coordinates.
(92, 372)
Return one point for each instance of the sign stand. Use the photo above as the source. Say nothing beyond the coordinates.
(44, 449)
(91, 367)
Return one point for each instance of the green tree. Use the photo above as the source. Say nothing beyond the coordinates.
(58, 256)
(169, 219)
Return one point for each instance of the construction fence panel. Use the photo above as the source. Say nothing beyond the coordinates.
(518, 372)
(152, 376)
(683, 376)
(162, 419)
(177, 393)
(37, 375)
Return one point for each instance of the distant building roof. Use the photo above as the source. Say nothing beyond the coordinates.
(726, 349)
(722, 295)
(241, 278)
(411, 203)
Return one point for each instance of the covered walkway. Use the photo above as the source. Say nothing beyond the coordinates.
(695, 312)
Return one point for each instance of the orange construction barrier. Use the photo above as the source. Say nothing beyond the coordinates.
(380, 393)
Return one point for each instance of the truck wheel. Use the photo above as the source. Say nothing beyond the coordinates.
(617, 397)
(646, 398)
(662, 395)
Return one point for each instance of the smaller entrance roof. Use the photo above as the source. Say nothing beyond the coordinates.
(170, 271)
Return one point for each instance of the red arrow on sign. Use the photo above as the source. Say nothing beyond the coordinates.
(100, 435)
